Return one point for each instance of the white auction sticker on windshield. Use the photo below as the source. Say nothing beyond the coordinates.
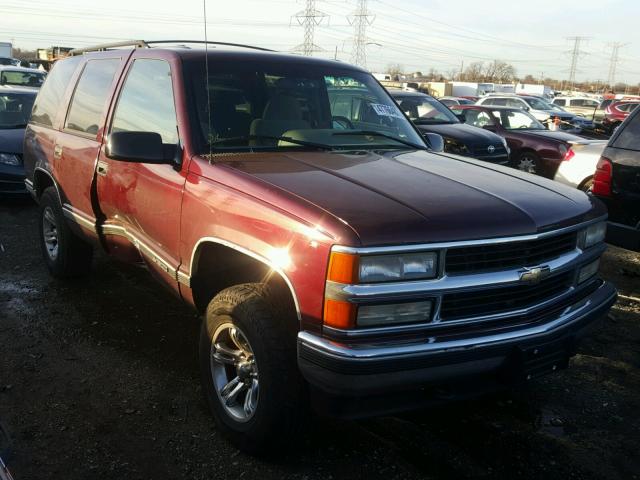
(385, 110)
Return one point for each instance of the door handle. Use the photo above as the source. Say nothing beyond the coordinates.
(57, 151)
(102, 168)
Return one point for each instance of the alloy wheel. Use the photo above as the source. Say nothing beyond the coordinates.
(50, 233)
(234, 372)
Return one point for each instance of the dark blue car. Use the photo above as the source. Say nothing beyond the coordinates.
(15, 110)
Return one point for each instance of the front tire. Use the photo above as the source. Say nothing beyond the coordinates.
(249, 370)
(65, 254)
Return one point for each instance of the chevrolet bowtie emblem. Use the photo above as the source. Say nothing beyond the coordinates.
(533, 275)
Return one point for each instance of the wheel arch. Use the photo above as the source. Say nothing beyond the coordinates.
(217, 264)
(42, 180)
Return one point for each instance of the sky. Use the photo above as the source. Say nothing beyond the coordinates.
(417, 34)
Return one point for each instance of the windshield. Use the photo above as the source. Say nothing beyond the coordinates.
(423, 110)
(21, 78)
(538, 104)
(15, 109)
(274, 106)
(517, 120)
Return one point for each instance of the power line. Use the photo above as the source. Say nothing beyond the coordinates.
(309, 18)
(360, 20)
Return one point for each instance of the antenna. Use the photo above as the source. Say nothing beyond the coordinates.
(206, 83)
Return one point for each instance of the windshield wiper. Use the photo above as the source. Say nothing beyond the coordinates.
(374, 133)
(304, 143)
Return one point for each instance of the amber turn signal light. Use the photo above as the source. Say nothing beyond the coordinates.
(343, 268)
(338, 314)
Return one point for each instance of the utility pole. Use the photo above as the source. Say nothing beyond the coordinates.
(309, 18)
(360, 20)
(575, 54)
(613, 62)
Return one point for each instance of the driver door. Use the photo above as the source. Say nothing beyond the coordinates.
(140, 202)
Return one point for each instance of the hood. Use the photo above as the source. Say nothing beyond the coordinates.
(418, 196)
(463, 133)
(11, 140)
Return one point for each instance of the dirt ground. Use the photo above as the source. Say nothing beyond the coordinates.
(99, 379)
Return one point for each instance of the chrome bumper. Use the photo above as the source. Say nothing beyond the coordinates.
(362, 368)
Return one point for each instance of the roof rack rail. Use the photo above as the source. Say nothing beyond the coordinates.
(105, 46)
(202, 42)
(147, 44)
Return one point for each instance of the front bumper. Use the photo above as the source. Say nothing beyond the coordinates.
(12, 180)
(367, 370)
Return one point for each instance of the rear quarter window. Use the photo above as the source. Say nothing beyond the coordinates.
(629, 137)
(52, 92)
(90, 96)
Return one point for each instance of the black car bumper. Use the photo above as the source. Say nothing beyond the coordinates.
(12, 180)
(358, 381)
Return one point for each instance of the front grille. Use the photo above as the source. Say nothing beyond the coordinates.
(484, 258)
(483, 151)
(496, 300)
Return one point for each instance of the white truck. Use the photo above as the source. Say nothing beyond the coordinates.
(6, 49)
(533, 89)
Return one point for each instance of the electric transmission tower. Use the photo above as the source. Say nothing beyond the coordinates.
(309, 18)
(360, 20)
(613, 63)
(575, 54)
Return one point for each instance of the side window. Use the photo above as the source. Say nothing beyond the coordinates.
(560, 101)
(515, 103)
(51, 93)
(146, 101)
(629, 137)
(90, 96)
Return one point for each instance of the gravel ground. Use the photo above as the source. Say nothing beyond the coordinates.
(99, 379)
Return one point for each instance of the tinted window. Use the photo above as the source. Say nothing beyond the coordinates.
(515, 103)
(51, 93)
(146, 101)
(629, 137)
(15, 109)
(559, 101)
(20, 78)
(495, 101)
(90, 96)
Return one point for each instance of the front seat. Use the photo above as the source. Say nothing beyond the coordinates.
(281, 114)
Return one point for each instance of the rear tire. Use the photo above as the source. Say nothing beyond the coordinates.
(249, 369)
(65, 254)
(529, 162)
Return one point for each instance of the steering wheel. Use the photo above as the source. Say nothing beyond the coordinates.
(343, 123)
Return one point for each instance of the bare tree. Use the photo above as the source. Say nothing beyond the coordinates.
(395, 70)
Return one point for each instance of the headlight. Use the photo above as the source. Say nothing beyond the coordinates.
(506, 145)
(9, 159)
(389, 268)
(592, 235)
(394, 314)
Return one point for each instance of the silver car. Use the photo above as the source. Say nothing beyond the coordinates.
(577, 169)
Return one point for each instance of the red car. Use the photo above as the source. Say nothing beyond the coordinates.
(616, 112)
(534, 149)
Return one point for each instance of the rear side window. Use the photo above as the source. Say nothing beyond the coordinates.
(560, 101)
(146, 102)
(53, 90)
(629, 137)
(90, 96)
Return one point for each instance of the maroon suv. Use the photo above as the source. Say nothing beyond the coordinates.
(336, 261)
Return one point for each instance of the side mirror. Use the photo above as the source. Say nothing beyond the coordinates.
(526, 109)
(434, 141)
(142, 147)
